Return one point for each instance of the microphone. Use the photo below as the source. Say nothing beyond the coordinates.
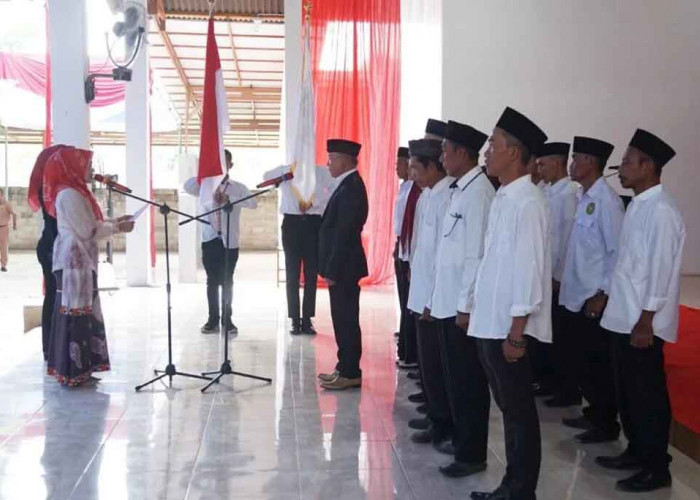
(276, 181)
(107, 181)
(615, 171)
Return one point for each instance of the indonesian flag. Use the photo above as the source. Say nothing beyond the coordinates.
(215, 124)
(304, 147)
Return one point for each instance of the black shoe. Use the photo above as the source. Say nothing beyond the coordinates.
(423, 409)
(3, 269)
(296, 327)
(210, 327)
(462, 469)
(445, 447)
(231, 329)
(540, 390)
(413, 375)
(499, 494)
(307, 327)
(645, 480)
(577, 423)
(594, 435)
(420, 424)
(418, 397)
(623, 461)
(396, 334)
(559, 402)
(419, 384)
(406, 366)
(422, 437)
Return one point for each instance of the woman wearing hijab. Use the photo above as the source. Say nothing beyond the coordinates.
(44, 248)
(77, 345)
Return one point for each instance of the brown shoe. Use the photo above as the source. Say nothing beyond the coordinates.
(342, 383)
(328, 377)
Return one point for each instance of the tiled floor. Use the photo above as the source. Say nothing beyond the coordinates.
(244, 439)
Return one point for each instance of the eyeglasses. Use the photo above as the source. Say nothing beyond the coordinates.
(456, 218)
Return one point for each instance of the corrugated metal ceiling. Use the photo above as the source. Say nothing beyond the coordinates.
(241, 7)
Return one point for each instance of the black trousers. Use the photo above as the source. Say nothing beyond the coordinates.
(511, 384)
(213, 258)
(45, 258)
(300, 244)
(592, 351)
(467, 391)
(542, 354)
(433, 377)
(345, 312)
(645, 410)
(568, 355)
(407, 348)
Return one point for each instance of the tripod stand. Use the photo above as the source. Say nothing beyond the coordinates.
(226, 367)
(170, 370)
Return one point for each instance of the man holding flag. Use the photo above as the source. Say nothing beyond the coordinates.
(219, 243)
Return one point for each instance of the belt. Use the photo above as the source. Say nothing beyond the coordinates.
(301, 216)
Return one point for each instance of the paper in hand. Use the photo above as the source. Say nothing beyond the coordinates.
(138, 213)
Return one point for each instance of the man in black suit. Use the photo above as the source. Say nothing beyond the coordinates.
(342, 261)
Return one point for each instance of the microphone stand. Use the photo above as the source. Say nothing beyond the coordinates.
(170, 370)
(226, 367)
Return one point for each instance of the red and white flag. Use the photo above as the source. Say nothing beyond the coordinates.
(215, 123)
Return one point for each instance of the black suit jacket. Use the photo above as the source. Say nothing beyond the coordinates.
(341, 257)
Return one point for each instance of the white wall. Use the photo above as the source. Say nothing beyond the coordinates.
(600, 68)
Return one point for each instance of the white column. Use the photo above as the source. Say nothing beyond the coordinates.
(292, 74)
(69, 69)
(138, 176)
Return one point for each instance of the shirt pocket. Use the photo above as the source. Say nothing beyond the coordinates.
(587, 228)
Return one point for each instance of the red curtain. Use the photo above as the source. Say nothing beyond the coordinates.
(355, 48)
(30, 74)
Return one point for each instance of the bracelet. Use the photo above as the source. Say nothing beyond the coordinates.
(522, 344)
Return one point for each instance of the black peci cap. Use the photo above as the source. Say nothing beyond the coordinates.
(553, 149)
(349, 148)
(402, 152)
(429, 148)
(522, 128)
(466, 136)
(435, 127)
(594, 147)
(651, 145)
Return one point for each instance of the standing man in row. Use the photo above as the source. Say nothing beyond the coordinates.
(642, 313)
(429, 174)
(511, 298)
(561, 198)
(590, 260)
(301, 222)
(459, 253)
(342, 261)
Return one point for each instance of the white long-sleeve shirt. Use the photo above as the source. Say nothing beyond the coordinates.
(399, 212)
(561, 202)
(289, 204)
(217, 222)
(647, 274)
(461, 244)
(431, 209)
(592, 249)
(515, 275)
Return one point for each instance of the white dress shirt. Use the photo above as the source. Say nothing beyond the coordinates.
(461, 244)
(561, 202)
(432, 205)
(216, 228)
(592, 249)
(515, 275)
(399, 214)
(206, 231)
(289, 204)
(647, 274)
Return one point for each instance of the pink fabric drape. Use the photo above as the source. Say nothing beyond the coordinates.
(30, 74)
(355, 50)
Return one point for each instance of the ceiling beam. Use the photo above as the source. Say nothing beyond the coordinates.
(203, 47)
(222, 59)
(181, 71)
(239, 35)
(222, 16)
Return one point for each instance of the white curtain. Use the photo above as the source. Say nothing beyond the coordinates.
(421, 66)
